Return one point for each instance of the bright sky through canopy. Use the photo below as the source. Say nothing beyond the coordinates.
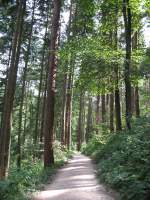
(146, 28)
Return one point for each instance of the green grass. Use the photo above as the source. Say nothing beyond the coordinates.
(31, 177)
(123, 160)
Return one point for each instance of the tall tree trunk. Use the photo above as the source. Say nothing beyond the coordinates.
(68, 108)
(137, 104)
(25, 123)
(132, 100)
(111, 105)
(89, 120)
(63, 117)
(98, 110)
(50, 100)
(103, 100)
(23, 91)
(7, 69)
(67, 93)
(26, 113)
(80, 127)
(83, 119)
(10, 92)
(43, 113)
(136, 89)
(117, 109)
(128, 26)
(70, 119)
(107, 99)
(118, 121)
(36, 132)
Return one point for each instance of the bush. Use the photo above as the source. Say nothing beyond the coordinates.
(124, 160)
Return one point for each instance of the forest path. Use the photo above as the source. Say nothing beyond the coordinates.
(76, 181)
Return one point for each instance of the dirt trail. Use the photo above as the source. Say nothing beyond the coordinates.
(76, 181)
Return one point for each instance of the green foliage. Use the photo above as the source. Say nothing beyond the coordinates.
(145, 65)
(124, 160)
(96, 142)
(84, 23)
(21, 183)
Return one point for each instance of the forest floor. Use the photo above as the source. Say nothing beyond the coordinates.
(76, 181)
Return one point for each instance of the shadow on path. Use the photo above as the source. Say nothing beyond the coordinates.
(76, 181)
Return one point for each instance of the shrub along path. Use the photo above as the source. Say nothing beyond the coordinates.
(76, 181)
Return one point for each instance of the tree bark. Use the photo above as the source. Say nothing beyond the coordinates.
(43, 112)
(128, 26)
(98, 110)
(107, 99)
(111, 105)
(36, 132)
(103, 99)
(80, 127)
(83, 119)
(50, 100)
(10, 92)
(136, 88)
(118, 110)
(89, 120)
(67, 93)
(23, 91)
(132, 100)
(63, 117)
(118, 120)
(66, 106)
(137, 104)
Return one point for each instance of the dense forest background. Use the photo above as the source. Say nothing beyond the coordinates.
(74, 75)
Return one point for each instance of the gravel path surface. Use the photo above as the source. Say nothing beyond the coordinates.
(76, 181)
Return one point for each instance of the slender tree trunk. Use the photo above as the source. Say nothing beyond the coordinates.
(107, 99)
(9, 56)
(111, 105)
(118, 121)
(83, 118)
(128, 26)
(70, 118)
(23, 91)
(26, 113)
(44, 105)
(43, 114)
(7, 69)
(103, 99)
(63, 110)
(132, 100)
(80, 130)
(24, 125)
(136, 89)
(98, 110)
(10, 92)
(118, 110)
(89, 121)
(137, 104)
(50, 100)
(69, 109)
(31, 111)
(67, 94)
(36, 132)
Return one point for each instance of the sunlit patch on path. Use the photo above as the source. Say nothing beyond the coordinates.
(76, 181)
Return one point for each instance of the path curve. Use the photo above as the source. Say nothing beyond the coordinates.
(76, 181)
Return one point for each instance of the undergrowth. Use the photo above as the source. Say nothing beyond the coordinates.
(123, 160)
(22, 183)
